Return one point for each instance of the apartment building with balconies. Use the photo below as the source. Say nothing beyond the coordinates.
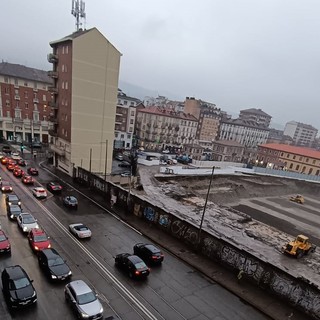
(258, 116)
(24, 103)
(301, 133)
(160, 129)
(209, 116)
(125, 121)
(85, 74)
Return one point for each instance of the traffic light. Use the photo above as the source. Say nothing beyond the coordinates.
(22, 147)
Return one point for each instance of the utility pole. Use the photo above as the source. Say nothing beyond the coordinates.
(90, 159)
(205, 205)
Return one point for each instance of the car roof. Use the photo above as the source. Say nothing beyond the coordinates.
(39, 188)
(50, 253)
(15, 272)
(71, 197)
(80, 287)
(152, 248)
(37, 231)
(26, 214)
(134, 259)
(54, 183)
(12, 195)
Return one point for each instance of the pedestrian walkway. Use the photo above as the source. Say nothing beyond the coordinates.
(267, 303)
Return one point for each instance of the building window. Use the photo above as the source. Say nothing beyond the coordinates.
(294, 157)
(66, 85)
(35, 85)
(44, 108)
(6, 90)
(26, 105)
(297, 167)
(6, 79)
(25, 83)
(62, 84)
(8, 103)
(314, 162)
(307, 160)
(317, 173)
(310, 171)
(128, 136)
(300, 159)
(62, 68)
(44, 98)
(130, 129)
(8, 114)
(44, 118)
(17, 114)
(26, 94)
(67, 49)
(125, 102)
(288, 155)
(16, 82)
(62, 53)
(131, 121)
(122, 136)
(132, 113)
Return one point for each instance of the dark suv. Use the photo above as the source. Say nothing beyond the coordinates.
(17, 287)
(132, 265)
(148, 253)
(12, 199)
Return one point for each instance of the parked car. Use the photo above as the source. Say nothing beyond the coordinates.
(13, 211)
(12, 199)
(5, 246)
(70, 202)
(18, 172)
(6, 186)
(6, 149)
(119, 157)
(124, 164)
(26, 222)
(27, 180)
(126, 174)
(39, 192)
(83, 300)
(54, 187)
(33, 171)
(15, 156)
(134, 266)
(17, 287)
(148, 253)
(53, 265)
(38, 240)
(80, 230)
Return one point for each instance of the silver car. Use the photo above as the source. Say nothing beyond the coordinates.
(80, 230)
(26, 222)
(83, 300)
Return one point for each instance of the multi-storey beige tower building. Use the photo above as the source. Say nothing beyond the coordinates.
(86, 73)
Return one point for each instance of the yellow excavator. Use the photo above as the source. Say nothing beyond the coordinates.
(297, 198)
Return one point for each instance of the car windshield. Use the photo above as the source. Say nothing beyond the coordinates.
(13, 198)
(55, 262)
(81, 228)
(72, 200)
(140, 265)
(28, 220)
(19, 283)
(2, 238)
(15, 209)
(5, 183)
(86, 298)
(40, 190)
(40, 238)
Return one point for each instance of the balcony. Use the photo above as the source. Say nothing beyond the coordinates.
(53, 89)
(35, 100)
(53, 104)
(16, 86)
(53, 119)
(59, 150)
(53, 132)
(17, 120)
(53, 74)
(17, 97)
(52, 58)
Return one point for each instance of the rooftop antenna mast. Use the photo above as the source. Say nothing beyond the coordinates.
(78, 10)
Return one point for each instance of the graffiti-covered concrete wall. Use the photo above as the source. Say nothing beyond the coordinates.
(297, 291)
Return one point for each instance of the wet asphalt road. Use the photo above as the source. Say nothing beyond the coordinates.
(172, 291)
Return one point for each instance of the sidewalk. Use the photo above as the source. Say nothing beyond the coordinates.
(267, 303)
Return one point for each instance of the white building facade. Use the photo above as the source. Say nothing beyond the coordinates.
(302, 134)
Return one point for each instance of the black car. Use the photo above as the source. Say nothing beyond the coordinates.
(6, 149)
(54, 187)
(53, 265)
(148, 253)
(17, 287)
(13, 211)
(21, 163)
(12, 199)
(70, 202)
(33, 171)
(124, 164)
(132, 265)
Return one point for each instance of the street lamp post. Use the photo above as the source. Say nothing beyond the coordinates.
(205, 205)
(105, 163)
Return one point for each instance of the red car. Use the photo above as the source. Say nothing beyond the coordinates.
(38, 240)
(6, 186)
(21, 163)
(5, 246)
(27, 180)
(33, 171)
(4, 160)
(18, 173)
(54, 187)
(10, 165)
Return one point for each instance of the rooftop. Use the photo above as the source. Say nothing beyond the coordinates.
(168, 113)
(255, 111)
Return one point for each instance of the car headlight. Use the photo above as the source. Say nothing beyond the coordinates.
(10, 188)
(101, 309)
(19, 203)
(36, 226)
(69, 273)
(11, 216)
(34, 294)
(53, 276)
(11, 299)
(2, 189)
(84, 315)
(36, 248)
(10, 203)
(25, 229)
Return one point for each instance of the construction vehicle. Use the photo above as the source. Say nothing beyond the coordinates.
(299, 247)
(298, 198)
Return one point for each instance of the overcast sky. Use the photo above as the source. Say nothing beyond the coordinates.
(237, 54)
